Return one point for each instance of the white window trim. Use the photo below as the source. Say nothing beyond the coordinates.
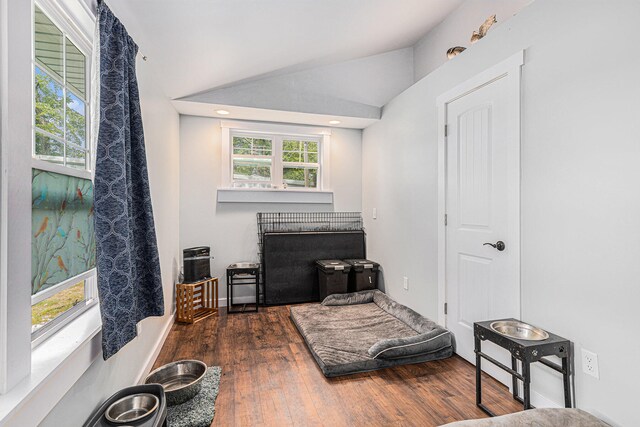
(272, 195)
(228, 193)
(62, 170)
(31, 381)
(59, 15)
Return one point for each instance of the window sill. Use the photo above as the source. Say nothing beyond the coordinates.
(56, 365)
(273, 195)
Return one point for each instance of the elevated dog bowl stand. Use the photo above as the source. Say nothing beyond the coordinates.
(241, 274)
(527, 352)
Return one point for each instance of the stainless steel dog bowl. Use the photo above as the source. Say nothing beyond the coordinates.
(132, 408)
(181, 380)
(244, 265)
(519, 330)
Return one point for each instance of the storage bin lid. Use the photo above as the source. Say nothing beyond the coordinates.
(332, 264)
(362, 264)
(197, 251)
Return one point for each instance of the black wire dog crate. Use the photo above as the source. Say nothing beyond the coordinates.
(302, 222)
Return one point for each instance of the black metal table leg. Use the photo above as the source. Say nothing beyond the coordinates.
(228, 292)
(257, 291)
(514, 380)
(479, 404)
(478, 349)
(526, 373)
(566, 368)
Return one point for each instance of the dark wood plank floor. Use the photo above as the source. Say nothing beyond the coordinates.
(270, 378)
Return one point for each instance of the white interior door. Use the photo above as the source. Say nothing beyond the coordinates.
(482, 208)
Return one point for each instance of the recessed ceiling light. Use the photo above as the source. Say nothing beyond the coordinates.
(222, 112)
(334, 122)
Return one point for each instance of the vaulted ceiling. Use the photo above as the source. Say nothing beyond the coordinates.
(199, 45)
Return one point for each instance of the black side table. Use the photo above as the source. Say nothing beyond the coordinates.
(240, 274)
(527, 352)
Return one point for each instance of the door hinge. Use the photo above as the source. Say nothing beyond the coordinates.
(445, 308)
(446, 130)
(445, 220)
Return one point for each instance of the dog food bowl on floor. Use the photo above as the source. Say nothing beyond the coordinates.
(156, 418)
(132, 408)
(244, 265)
(519, 330)
(181, 380)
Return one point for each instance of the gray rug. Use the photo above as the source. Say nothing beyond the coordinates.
(199, 411)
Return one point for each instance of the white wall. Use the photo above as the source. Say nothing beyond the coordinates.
(456, 29)
(230, 228)
(102, 378)
(580, 175)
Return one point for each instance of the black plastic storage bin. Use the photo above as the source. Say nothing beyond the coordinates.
(333, 276)
(197, 264)
(363, 275)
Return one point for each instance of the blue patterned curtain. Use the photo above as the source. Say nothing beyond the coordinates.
(129, 282)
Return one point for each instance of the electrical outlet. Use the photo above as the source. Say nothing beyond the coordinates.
(374, 214)
(590, 363)
(405, 283)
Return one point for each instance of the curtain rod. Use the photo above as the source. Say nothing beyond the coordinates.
(91, 10)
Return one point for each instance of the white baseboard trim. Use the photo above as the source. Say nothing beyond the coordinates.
(222, 302)
(156, 350)
(540, 401)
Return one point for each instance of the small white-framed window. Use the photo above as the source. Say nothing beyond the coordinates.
(60, 81)
(63, 275)
(275, 157)
(300, 162)
(252, 160)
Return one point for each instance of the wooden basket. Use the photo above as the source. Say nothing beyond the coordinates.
(196, 301)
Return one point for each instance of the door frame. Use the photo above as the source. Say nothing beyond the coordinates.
(509, 69)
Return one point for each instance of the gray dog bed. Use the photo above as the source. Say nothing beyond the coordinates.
(364, 331)
(543, 417)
